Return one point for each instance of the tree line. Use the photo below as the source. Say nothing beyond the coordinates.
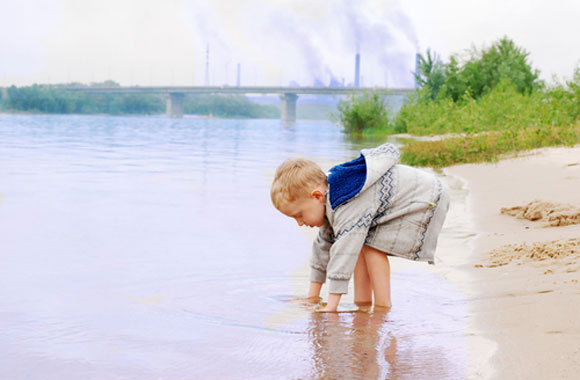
(55, 99)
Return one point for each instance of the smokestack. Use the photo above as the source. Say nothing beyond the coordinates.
(417, 62)
(357, 70)
(239, 75)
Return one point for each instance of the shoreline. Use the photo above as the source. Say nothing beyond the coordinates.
(528, 308)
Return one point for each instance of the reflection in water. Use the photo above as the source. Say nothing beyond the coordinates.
(373, 345)
(350, 346)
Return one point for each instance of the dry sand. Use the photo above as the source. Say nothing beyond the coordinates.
(553, 214)
(525, 267)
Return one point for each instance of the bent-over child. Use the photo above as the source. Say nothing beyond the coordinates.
(367, 209)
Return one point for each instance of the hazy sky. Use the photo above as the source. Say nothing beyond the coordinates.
(163, 42)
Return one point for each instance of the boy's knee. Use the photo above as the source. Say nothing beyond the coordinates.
(366, 250)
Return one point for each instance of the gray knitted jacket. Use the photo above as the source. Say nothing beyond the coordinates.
(399, 210)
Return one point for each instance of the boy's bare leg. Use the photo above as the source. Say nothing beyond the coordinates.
(379, 271)
(363, 291)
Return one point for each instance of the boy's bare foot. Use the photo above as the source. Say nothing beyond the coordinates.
(382, 308)
(363, 305)
(325, 309)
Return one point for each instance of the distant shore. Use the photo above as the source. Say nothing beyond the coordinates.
(525, 297)
(56, 100)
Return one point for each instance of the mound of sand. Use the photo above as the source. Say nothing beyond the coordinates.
(565, 250)
(554, 214)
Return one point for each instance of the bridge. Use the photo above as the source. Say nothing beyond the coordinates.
(288, 95)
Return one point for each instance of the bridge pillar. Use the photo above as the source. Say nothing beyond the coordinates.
(175, 104)
(288, 108)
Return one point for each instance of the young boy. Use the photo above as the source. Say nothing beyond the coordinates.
(367, 209)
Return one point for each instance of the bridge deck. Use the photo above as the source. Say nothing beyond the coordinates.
(240, 90)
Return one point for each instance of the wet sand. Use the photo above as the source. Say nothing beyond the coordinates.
(522, 277)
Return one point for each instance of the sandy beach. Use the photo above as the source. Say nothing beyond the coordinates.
(522, 278)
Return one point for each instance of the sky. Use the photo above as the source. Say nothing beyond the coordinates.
(275, 42)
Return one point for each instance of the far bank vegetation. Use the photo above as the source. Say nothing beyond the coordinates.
(55, 99)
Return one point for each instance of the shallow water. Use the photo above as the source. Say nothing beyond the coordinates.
(147, 248)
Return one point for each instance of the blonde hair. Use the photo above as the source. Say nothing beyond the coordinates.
(294, 179)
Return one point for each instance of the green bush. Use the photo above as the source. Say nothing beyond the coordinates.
(366, 112)
(504, 61)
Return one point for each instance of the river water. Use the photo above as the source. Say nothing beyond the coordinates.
(147, 248)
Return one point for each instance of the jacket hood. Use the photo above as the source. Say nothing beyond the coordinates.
(349, 179)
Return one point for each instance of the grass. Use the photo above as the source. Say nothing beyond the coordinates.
(487, 146)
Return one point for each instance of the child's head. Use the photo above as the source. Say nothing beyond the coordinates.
(298, 191)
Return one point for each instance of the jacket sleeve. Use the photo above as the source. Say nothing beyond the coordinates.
(321, 253)
(351, 228)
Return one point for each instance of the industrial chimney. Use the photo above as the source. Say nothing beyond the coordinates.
(238, 80)
(357, 70)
